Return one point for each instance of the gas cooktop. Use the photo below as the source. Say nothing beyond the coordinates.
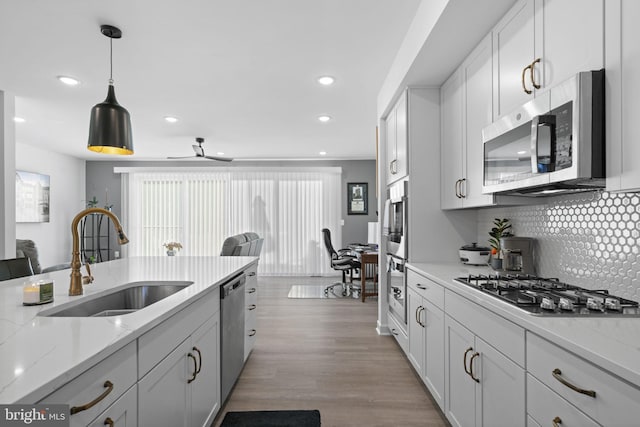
(551, 297)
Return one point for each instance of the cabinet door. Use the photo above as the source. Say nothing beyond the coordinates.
(461, 388)
(572, 39)
(391, 145)
(501, 398)
(622, 100)
(477, 113)
(163, 394)
(123, 412)
(402, 137)
(251, 306)
(451, 172)
(415, 330)
(205, 388)
(433, 319)
(513, 50)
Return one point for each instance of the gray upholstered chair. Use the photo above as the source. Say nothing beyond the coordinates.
(244, 244)
(27, 249)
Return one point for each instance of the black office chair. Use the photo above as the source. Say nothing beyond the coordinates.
(14, 268)
(341, 261)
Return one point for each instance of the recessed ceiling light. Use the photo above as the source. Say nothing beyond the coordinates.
(220, 153)
(522, 152)
(324, 119)
(323, 153)
(19, 120)
(171, 119)
(69, 81)
(326, 80)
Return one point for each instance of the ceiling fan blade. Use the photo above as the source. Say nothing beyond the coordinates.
(220, 159)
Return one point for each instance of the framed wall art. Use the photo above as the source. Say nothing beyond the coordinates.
(357, 198)
(32, 197)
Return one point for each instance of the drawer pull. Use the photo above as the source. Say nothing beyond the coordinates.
(557, 374)
(252, 333)
(252, 307)
(423, 287)
(394, 332)
(476, 354)
(195, 368)
(556, 422)
(252, 290)
(197, 350)
(251, 273)
(464, 362)
(109, 388)
(109, 422)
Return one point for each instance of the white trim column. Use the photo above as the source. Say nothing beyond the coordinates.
(7, 176)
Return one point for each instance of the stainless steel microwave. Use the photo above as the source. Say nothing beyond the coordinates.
(552, 144)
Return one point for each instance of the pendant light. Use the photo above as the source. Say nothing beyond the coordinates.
(110, 126)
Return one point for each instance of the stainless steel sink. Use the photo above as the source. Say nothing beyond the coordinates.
(126, 300)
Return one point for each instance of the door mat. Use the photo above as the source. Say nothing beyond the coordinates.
(317, 291)
(272, 419)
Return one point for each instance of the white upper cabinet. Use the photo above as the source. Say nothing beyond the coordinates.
(622, 100)
(397, 140)
(540, 43)
(466, 109)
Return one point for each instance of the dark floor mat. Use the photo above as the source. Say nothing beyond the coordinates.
(272, 419)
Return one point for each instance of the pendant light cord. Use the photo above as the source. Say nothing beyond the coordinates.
(111, 60)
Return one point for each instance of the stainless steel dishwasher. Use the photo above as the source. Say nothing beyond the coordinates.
(232, 312)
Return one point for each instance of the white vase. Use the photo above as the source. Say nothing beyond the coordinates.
(171, 252)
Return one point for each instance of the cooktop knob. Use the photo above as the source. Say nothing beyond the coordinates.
(547, 304)
(612, 304)
(565, 304)
(594, 304)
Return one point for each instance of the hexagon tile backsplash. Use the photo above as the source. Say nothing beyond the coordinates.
(588, 239)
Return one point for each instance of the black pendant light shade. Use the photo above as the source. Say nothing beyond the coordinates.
(110, 126)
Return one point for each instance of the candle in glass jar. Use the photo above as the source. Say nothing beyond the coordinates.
(31, 294)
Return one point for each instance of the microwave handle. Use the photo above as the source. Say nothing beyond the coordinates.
(543, 128)
(386, 214)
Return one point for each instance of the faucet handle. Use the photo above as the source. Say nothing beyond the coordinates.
(88, 278)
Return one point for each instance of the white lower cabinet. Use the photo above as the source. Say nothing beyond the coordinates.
(251, 306)
(184, 389)
(123, 412)
(484, 387)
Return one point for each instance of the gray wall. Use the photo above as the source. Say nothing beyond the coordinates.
(102, 183)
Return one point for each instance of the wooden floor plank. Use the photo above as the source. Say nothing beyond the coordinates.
(325, 354)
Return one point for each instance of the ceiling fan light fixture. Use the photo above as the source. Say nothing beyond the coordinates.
(110, 125)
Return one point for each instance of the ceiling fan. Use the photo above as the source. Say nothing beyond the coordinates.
(200, 153)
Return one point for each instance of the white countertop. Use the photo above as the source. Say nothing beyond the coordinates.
(611, 343)
(40, 354)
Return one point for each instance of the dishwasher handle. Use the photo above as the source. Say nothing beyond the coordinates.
(236, 284)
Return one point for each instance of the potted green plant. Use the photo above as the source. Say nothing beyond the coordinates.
(501, 228)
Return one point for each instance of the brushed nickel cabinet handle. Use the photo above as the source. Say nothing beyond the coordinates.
(418, 314)
(394, 332)
(462, 193)
(423, 287)
(252, 290)
(252, 333)
(458, 195)
(251, 273)
(557, 374)
(556, 422)
(252, 307)
(109, 388)
(524, 86)
(533, 78)
(464, 362)
(108, 422)
(197, 350)
(476, 354)
(195, 368)
(424, 324)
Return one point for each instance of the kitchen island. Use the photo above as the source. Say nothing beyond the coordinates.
(41, 354)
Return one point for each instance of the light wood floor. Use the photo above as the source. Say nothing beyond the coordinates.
(325, 354)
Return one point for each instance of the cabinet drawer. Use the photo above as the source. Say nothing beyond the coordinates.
(119, 369)
(428, 289)
(505, 336)
(123, 413)
(154, 345)
(543, 405)
(615, 402)
(398, 333)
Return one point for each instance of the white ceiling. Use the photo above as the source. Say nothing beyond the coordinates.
(240, 73)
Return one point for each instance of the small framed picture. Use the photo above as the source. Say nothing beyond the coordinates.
(357, 198)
